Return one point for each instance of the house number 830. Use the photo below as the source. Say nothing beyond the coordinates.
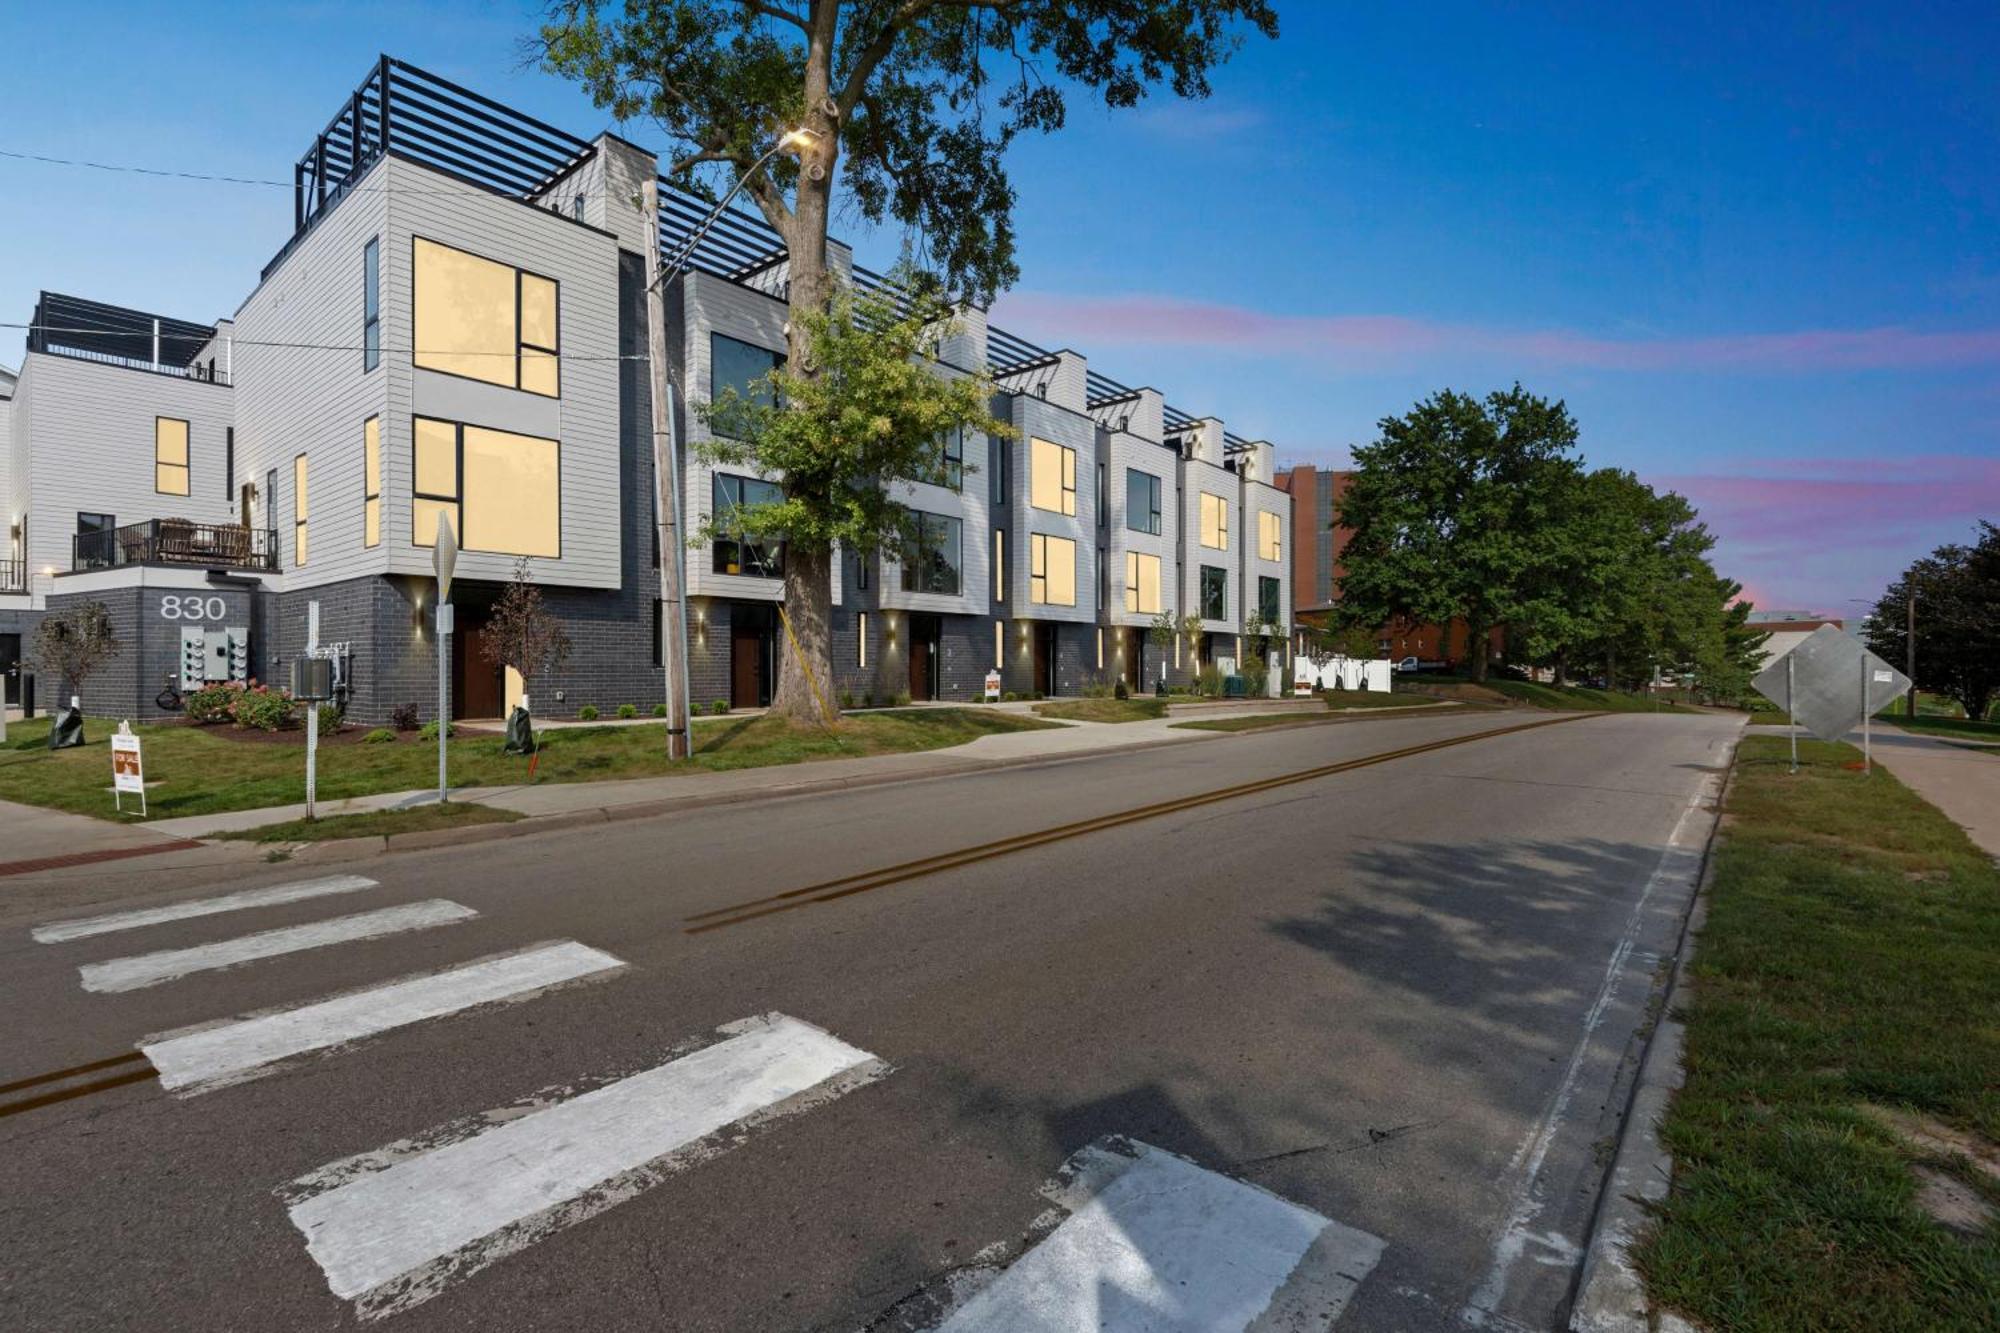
(192, 608)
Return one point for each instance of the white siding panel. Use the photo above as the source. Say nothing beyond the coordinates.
(1198, 479)
(1037, 419)
(1131, 452)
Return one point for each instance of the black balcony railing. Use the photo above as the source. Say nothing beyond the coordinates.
(13, 576)
(175, 541)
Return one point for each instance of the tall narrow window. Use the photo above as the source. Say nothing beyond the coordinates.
(484, 320)
(952, 458)
(1051, 570)
(998, 466)
(371, 305)
(1051, 477)
(736, 551)
(1142, 583)
(931, 556)
(229, 462)
(1214, 522)
(1270, 538)
(742, 367)
(1214, 593)
(999, 564)
(999, 644)
(500, 492)
(300, 512)
(1267, 600)
(1142, 501)
(861, 638)
(371, 482)
(170, 456)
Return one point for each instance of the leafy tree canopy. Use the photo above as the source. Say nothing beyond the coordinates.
(1957, 589)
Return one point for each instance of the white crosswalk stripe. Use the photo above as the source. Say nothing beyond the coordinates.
(57, 932)
(392, 1228)
(1155, 1243)
(218, 1053)
(150, 969)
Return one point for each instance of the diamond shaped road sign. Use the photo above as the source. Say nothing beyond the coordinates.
(1830, 682)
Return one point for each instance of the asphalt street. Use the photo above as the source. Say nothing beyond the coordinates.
(1403, 999)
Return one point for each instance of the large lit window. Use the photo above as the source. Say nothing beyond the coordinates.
(931, 555)
(1270, 537)
(485, 320)
(371, 304)
(371, 482)
(170, 456)
(501, 493)
(1142, 583)
(1051, 570)
(1214, 593)
(1267, 600)
(301, 545)
(735, 551)
(1142, 501)
(1051, 477)
(743, 367)
(1215, 522)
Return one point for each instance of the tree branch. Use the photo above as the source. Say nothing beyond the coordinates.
(771, 11)
(883, 42)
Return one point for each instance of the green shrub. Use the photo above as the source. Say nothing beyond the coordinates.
(406, 718)
(1255, 676)
(846, 699)
(379, 736)
(212, 703)
(587, 713)
(330, 720)
(719, 707)
(429, 730)
(902, 699)
(659, 710)
(264, 709)
(1096, 688)
(1208, 681)
(628, 710)
(1119, 691)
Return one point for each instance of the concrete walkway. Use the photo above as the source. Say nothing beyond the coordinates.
(1963, 782)
(32, 838)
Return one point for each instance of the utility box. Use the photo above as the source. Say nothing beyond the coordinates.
(312, 679)
(239, 653)
(194, 658)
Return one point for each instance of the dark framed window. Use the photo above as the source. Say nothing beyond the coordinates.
(1103, 499)
(481, 319)
(735, 552)
(500, 492)
(1267, 599)
(734, 364)
(1142, 501)
(1214, 593)
(997, 451)
(96, 543)
(371, 304)
(952, 452)
(229, 462)
(932, 558)
(173, 464)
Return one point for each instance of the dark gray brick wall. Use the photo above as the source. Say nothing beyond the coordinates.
(150, 645)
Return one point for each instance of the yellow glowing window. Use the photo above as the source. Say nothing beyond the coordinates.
(300, 512)
(1142, 583)
(1051, 477)
(1215, 522)
(861, 638)
(501, 492)
(371, 482)
(170, 456)
(1270, 542)
(1051, 570)
(999, 644)
(999, 564)
(485, 320)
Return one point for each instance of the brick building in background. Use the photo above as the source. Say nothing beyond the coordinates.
(1318, 544)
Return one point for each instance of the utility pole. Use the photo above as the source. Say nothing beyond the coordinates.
(666, 477)
(1910, 653)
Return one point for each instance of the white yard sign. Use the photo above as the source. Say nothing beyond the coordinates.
(128, 771)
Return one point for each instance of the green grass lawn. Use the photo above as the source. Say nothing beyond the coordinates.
(1927, 724)
(1575, 696)
(1375, 699)
(1851, 959)
(1104, 710)
(201, 770)
(418, 819)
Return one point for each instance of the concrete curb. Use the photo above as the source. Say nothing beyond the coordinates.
(1611, 1295)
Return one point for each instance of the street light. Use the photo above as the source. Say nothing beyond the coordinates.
(666, 435)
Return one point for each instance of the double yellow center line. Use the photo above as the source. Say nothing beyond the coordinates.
(848, 885)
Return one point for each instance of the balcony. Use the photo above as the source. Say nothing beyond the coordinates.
(176, 541)
(13, 576)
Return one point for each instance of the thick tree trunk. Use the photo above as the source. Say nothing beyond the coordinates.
(1478, 636)
(805, 644)
(1562, 669)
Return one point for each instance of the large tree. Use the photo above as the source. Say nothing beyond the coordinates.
(1454, 512)
(1957, 589)
(911, 103)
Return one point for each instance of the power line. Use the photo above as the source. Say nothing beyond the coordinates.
(321, 347)
(164, 173)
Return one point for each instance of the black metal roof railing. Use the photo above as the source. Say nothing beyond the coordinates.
(93, 331)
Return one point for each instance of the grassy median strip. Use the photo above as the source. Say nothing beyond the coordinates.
(1576, 696)
(1843, 1064)
(1103, 710)
(200, 770)
(378, 823)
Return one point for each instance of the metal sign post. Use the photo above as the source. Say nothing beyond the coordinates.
(444, 559)
(1814, 683)
(1791, 684)
(312, 714)
(1867, 745)
(128, 771)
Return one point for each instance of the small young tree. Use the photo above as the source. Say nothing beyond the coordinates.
(73, 643)
(521, 633)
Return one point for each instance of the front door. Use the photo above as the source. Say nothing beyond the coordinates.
(10, 657)
(475, 681)
(924, 634)
(1135, 657)
(752, 654)
(1045, 660)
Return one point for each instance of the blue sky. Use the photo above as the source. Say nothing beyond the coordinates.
(1757, 253)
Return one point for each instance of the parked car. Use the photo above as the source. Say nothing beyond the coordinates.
(1411, 666)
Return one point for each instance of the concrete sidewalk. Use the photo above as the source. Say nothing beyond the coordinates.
(1963, 782)
(32, 839)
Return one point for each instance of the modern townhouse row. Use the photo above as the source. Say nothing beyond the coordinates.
(458, 326)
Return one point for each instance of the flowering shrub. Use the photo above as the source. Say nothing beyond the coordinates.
(213, 703)
(264, 708)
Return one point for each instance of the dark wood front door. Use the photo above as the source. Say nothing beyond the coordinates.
(1135, 657)
(476, 688)
(924, 635)
(752, 654)
(1045, 660)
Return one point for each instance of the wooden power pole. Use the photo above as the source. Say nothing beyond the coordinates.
(666, 477)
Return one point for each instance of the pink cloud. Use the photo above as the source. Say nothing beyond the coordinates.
(1373, 340)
